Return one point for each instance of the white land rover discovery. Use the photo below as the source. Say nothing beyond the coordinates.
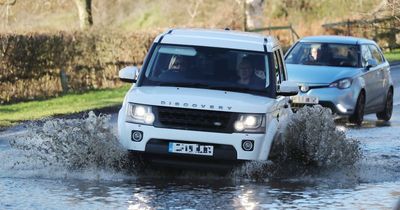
(210, 96)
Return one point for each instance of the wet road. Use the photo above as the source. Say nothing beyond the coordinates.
(372, 182)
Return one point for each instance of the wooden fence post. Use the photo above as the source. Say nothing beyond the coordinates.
(348, 27)
(291, 33)
(64, 81)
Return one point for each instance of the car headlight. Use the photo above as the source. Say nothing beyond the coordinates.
(142, 114)
(342, 84)
(250, 123)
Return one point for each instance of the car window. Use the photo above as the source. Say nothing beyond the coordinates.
(282, 69)
(278, 67)
(208, 67)
(365, 55)
(324, 54)
(376, 54)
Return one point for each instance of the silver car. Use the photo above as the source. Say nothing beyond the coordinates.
(349, 75)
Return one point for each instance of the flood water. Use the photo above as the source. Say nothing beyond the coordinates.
(41, 169)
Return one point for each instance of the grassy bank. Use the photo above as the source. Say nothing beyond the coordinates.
(67, 104)
(392, 56)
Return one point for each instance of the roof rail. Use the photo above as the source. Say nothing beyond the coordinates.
(169, 32)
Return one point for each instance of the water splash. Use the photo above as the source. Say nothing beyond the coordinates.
(68, 145)
(311, 138)
(308, 140)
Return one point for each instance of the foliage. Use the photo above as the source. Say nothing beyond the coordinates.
(32, 65)
(393, 56)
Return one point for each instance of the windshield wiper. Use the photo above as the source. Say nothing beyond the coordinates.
(232, 88)
(205, 86)
(183, 84)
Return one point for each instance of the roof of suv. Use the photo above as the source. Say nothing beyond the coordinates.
(219, 38)
(337, 39)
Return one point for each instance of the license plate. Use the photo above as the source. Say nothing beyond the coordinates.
(193, 149)
(305, 100)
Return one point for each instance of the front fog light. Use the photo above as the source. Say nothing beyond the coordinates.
(137, 136)
(341, 108)
(248, 145)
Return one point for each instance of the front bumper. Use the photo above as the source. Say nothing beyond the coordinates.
(228, 146)
(340, 101)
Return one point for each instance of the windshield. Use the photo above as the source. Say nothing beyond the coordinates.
(210, 68)
(324, 54)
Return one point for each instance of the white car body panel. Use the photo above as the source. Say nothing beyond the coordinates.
(240, 102)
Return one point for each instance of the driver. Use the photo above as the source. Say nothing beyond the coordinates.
(247, 75)
(313, 55)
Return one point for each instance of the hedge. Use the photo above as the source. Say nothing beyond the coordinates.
(38, 66)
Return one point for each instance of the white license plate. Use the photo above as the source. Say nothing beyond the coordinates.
(305, 100)
(193, 149)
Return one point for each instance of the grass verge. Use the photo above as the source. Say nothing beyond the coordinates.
(66, 104)
(392, 56)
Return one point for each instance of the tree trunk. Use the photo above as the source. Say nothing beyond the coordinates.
(254, 13)
(7, 2)
(85, 13)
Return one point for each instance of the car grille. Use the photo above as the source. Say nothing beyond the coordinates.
(194, 119)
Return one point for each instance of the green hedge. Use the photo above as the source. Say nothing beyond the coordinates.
(37, 66)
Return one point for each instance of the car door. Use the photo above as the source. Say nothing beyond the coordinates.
(369, 76)
(381, 75)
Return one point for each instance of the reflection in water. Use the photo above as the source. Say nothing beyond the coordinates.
(246, 200)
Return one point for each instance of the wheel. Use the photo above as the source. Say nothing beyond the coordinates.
(358, 115)
(386, 114)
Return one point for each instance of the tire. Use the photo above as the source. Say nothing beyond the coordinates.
(386, 114)
(358, 116)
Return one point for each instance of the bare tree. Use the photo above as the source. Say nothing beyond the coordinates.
(8, 4)
(394, 8)
(193, 8)
(253, 13)
(388, 7)
(85, 13)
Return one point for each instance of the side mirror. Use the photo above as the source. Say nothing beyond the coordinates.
(288, 88)
(128, 74)
(371, 63)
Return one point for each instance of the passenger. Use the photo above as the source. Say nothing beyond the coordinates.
(247, 74)
(314, 53)
(313, 56)
(176, 68)
(352, 57)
